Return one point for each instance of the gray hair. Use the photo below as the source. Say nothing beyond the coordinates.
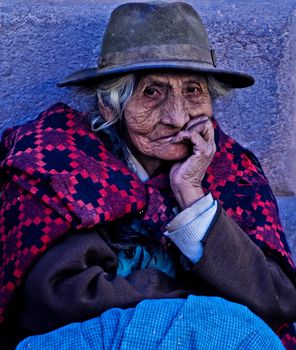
(216, 88)
(115, 93)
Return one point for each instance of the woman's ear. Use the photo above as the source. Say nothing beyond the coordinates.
(107, 112)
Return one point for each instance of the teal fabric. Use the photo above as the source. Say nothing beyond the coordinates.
(144, 259)
(202, 323)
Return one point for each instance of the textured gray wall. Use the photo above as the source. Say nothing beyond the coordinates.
(41, 42)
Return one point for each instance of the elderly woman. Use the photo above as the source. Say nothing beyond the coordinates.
(103, 213)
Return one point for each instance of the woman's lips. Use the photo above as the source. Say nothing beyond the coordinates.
(201, 120)
(169, 139)
(165, 138)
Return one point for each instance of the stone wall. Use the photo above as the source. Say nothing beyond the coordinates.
(41, 42)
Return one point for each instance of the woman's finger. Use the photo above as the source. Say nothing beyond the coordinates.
(200, 145)
(199, 132)
(197, 121)
(203, 126)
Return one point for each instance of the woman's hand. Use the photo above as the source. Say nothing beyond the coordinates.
(186, 176)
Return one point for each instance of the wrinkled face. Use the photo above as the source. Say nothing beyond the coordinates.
(159, 108)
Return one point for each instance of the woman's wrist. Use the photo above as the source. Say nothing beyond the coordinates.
(186, 196)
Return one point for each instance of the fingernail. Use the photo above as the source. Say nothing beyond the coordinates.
(203, 120)
(175, 139)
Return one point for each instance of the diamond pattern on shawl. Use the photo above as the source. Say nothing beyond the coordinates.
(236, 179)
(159, 207)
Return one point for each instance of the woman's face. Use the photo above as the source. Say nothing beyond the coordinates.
(159, 108)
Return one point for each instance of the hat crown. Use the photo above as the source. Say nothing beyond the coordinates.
(154, 31)
(134, 25)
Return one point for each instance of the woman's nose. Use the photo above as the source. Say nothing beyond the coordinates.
(174, 112)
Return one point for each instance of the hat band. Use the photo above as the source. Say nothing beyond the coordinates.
(178, 52)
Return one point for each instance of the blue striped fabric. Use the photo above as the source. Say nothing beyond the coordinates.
(203, 323)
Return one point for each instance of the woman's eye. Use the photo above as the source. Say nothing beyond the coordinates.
(193, 90)
(150, 92)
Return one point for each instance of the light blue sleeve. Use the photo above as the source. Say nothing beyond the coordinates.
(189, 227)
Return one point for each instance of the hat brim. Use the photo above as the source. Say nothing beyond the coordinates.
(91, 76)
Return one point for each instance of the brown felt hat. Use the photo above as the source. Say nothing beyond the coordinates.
(155, 36)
